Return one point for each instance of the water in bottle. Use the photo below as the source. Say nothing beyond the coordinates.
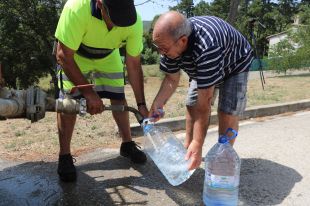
(222, 172)
(167, 152)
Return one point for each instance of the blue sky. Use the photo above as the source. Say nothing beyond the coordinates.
(152, 8)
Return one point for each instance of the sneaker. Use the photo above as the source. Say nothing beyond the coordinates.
(132, 151)
(66, 169)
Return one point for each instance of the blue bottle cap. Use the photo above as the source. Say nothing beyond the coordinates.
(223, 139)
(229, 135)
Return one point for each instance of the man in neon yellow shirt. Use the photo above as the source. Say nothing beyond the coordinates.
(90, 33)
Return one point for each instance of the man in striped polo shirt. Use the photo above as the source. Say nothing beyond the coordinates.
(212, 53)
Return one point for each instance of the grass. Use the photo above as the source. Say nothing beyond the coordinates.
(45, 83)
(279, 89)
(20, 133)
(22, 140)
(152, 71)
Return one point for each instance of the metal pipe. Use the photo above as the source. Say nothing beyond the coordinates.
(50, 104)
(71, 106)
(10, 108)
(68, 106)
(12, 103)
(33, 103)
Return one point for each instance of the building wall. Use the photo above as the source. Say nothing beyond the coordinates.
(276, 39)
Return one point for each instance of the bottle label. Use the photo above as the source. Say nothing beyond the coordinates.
(225, 182)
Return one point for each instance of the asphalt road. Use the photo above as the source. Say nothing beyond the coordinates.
(275, 171)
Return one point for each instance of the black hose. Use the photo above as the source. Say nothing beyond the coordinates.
(121, 108)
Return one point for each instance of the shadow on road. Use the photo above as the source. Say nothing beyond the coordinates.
(263, 182)
(149, 178)
(110, 182)
(114, 181)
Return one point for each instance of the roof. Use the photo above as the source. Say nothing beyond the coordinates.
(283, 32)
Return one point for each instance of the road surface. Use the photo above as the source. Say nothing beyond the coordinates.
(275, 171)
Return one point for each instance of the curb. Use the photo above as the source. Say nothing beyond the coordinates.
(178, 123)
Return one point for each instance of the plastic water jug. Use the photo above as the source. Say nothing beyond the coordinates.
(167, 152)
(222, 172)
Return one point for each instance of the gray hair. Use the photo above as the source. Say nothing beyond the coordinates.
(184, 28)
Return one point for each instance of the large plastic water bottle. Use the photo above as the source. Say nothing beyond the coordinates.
(222, 172)
(167, 152)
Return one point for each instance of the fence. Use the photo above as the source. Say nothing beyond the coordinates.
(280, 64)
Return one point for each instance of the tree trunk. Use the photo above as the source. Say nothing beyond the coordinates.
(233, 11)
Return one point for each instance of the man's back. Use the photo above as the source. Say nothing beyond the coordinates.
(211, 31)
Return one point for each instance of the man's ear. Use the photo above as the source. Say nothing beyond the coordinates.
(184, 40)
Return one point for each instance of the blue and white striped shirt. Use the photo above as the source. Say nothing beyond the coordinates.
(215, 51)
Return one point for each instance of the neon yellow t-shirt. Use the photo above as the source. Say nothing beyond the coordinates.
(77, 25)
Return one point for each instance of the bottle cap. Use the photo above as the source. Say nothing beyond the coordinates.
(223, 139)
(229, 135)
(147, 125)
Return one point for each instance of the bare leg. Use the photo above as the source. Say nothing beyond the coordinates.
(227, 121)
(65, 124)
(128, 148)
(189, 126)
(122, 121)
(66, 169)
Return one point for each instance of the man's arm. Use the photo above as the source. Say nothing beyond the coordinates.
(202, 113)
(135, 76)
(65, 57)
(167, 88)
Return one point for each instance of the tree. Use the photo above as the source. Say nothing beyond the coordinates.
(149, 53)
(220, 8)
(293, 52)
(185, 7)
(233, 11)
(150, 57)
(304, 14)
(288, 8)
(202, 9)
(271, 17)
(26, 39)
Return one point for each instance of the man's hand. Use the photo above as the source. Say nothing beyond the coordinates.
(94, 103)
(154, 111)
(193, 154)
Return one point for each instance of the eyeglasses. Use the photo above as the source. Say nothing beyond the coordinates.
(165, 50)
(161, 50)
